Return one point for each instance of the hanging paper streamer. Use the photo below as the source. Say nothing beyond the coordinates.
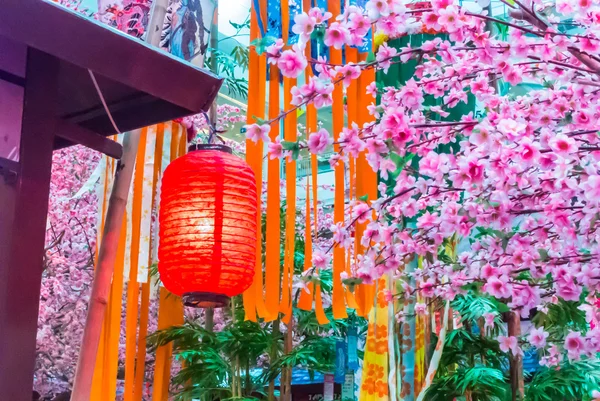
(135, 253)
(274, 18)
(318, 49)
(295, 8)
(340, 361)
(437, 354)
(253, 298)
(367, 44)
(374, 385)
(408, 344)
(186, 29)
(419, 349)
(352, 348)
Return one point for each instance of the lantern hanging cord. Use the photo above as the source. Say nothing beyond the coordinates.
(213, 129)
(103, 101)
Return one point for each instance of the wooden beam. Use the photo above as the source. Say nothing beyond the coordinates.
(80, 135)
(23, 210)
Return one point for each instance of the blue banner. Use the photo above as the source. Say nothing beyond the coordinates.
(295, 9)
(274, 18)
(352, 349)
(340, 361)
(366, 46)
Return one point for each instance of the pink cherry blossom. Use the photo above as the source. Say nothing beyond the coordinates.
(509, 344)
(336, 36)
(574, 345)
(319, 141)
(320, 260)
(256, 132)
(537, 337)
(304, 25)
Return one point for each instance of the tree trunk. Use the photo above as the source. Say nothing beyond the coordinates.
(287, 384)
(517, 384)
(209, 323)
(272, 357)
(86, 363)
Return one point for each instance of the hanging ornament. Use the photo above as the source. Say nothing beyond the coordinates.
(208, 216)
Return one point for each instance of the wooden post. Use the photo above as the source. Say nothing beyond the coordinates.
(23, 210)
(517, 384)
(84, 374)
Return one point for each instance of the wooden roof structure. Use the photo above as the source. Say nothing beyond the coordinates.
(48, 100)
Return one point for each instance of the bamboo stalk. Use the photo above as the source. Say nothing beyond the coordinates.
(86, 362)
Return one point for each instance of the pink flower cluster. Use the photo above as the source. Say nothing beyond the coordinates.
(519, 183)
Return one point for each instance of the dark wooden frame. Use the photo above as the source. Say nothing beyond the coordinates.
(143, 86)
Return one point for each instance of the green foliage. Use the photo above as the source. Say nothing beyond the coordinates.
(472, 307)
(571, 382)
(465, 350)
(561, 318)
(313, 354)
(483, 383)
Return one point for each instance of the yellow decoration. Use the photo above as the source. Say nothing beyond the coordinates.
(380, 38)
(374, 386)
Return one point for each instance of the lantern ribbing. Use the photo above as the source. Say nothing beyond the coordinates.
(207, 226)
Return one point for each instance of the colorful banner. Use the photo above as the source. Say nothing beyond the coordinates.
(186, 29)
(437, 354)
(374, 385)
(340, 361)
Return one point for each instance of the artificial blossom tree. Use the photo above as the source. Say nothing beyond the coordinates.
(520, 181)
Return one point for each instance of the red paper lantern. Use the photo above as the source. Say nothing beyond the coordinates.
(208, 216)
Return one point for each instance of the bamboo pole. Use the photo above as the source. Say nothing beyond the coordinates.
(103, 275)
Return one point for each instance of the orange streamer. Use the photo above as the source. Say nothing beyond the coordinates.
(366, 184)
(170, 310)
(111, 362)
(305, 302)
(140, 369)
(338, 298)
(273, 246)
(291, 134)
(97, 388)
(133, 286)
(249, 296)
(253, 297)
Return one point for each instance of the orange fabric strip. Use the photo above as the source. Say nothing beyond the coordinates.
(133, 286)
(111, 361)
(366, 184)
(160, 387)
(352, 107)
(305, 301)
(259, 149)
(338, 298)
(249, 296)
(167, 312)
(100, 356)
(291, 134)
(97, 390)
(285, 21)
(140, 369)
(273, 237)
(319, 311)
